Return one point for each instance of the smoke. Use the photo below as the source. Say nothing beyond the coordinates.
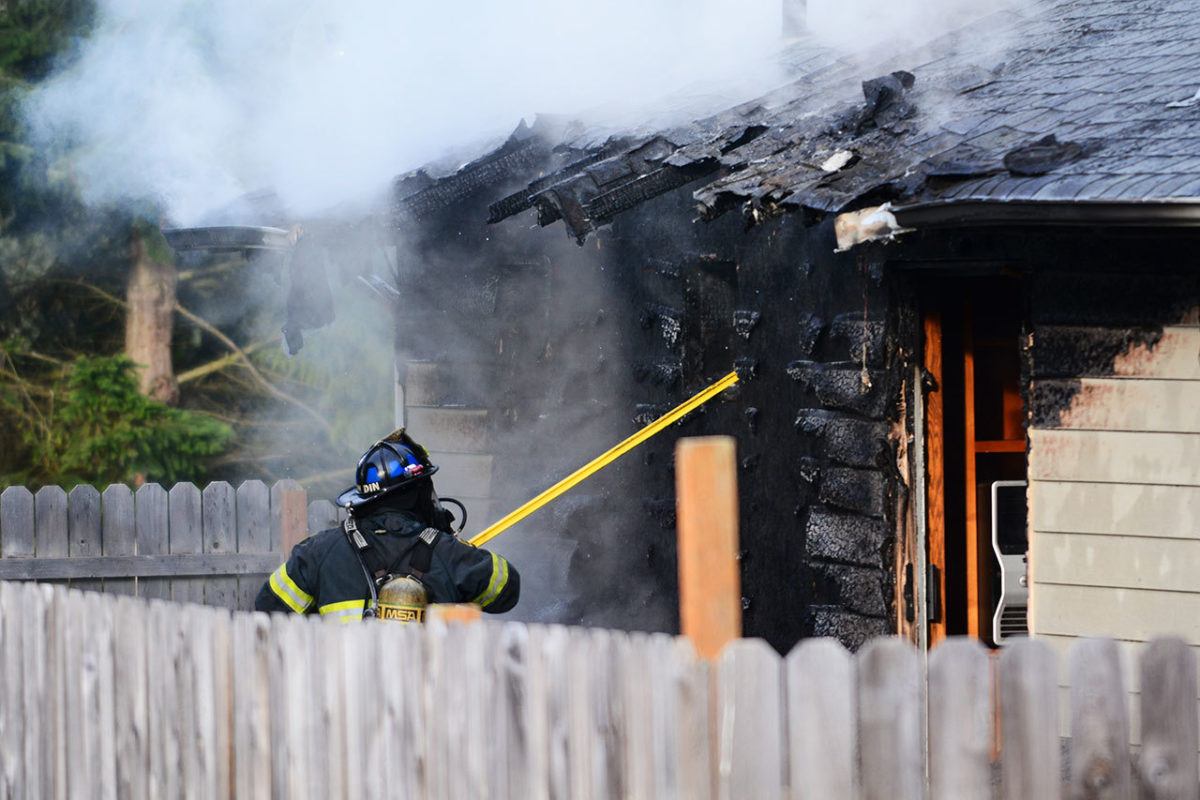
(190, 104)
(883, 27)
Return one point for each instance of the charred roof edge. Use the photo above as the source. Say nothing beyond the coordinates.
(1181, 212)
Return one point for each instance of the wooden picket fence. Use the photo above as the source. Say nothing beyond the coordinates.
(214, 546)
(107, 696)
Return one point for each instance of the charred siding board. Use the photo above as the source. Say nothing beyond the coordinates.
(1114, 463)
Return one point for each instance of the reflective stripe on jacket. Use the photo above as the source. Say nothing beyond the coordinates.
(322, 574)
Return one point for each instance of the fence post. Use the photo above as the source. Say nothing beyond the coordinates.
(446, 613)
(710, 596)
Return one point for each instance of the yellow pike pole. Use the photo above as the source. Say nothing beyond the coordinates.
(602, 461)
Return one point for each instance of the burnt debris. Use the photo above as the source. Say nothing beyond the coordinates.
(960, 126)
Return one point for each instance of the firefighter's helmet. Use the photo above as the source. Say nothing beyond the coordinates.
(392, 463)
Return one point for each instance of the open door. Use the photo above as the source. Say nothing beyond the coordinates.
(974, 458)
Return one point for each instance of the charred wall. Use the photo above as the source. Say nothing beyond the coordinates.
(811, 334)
(576, 347)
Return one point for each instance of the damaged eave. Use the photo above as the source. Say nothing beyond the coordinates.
(1170, 213)
(875, 224)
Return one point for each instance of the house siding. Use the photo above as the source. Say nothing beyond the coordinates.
(1114, 461)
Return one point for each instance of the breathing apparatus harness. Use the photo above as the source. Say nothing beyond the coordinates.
(413, 564)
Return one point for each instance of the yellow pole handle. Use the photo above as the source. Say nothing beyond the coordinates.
(602, 461)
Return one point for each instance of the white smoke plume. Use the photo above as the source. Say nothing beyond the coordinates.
(190, 104)
(866, 27)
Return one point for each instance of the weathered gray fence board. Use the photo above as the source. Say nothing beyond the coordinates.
(960, 721)
(253, 535)
(822, 720)
(163, 694)
(331, 681)
(117, 697)
(322, 515)
(120, 534)
(1099, 723)
(153, 534)
(636, 684)
(38, 713)
(12, 723)
(511, 683)
(86, 527)
(553, 656)
(1167, 767)
(187, 538)
(50, 521)
(219, 502)
(251, 751)
(40, 569)
(1031, 765)
(222, 704)
(16, 522)
(693, 720)
(610, 712)
(291, 706)
(750, 747)
(130, 700)
(889, 721)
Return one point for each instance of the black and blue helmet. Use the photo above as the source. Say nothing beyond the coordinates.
(392, 463)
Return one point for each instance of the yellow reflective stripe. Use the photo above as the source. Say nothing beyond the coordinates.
(343, 607)
(496, 584)
(286, 590)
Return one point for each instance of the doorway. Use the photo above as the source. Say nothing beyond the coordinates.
(975, 457)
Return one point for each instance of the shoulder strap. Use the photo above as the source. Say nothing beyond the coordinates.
(416, 560)
(420, 557)
(360, 546)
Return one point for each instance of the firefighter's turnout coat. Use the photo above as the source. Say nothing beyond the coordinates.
(323, 574)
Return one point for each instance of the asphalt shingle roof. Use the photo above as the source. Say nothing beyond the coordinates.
(1115, 82)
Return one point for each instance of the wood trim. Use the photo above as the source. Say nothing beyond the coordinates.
(935, 464)
(1000, 446)
(153, 566)
(972, 527)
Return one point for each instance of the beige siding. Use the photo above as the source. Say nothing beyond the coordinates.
(1174, 356)
(1115, 457)
(1122, 404)
(1115, 507)
(1122, 562)
(1130, 653)
(1133, 614)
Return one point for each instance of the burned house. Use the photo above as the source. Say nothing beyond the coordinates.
(961, 284)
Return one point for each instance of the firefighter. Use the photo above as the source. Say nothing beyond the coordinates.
(395, 553)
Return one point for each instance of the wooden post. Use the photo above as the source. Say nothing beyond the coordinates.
(710, 596)
(453, 612)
